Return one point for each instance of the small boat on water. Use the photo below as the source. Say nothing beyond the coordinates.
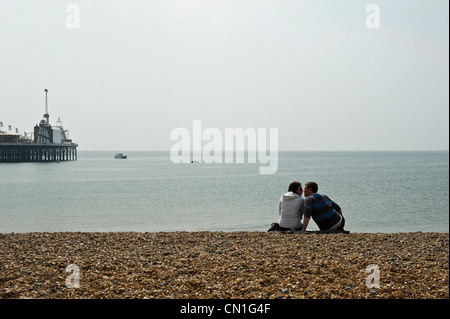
(120, 156)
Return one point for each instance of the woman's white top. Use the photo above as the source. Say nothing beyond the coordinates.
(291, 210)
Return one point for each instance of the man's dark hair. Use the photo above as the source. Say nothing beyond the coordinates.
(313, 186)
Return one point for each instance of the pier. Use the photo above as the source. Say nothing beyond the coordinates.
(50, 143)
(16, 152)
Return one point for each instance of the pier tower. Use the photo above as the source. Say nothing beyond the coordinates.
(50, 143)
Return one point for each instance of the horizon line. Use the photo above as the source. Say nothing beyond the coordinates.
(380, 150)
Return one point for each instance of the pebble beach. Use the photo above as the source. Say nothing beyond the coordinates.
(224, 265)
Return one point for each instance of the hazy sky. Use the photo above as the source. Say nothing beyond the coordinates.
(134, 70)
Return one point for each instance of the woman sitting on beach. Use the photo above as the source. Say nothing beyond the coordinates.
(290, 209)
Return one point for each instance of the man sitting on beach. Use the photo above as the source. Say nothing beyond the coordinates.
(326, 213)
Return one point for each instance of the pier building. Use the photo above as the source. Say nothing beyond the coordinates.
(47, 143)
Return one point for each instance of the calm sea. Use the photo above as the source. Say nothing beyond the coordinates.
(378, 192)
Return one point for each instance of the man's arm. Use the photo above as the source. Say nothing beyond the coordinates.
(305, 223)
(302, 209)
(308, 208)
(335, 205)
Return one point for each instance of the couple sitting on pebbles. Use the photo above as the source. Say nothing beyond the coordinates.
(325, 213)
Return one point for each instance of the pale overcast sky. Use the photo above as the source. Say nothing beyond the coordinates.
(134, 70)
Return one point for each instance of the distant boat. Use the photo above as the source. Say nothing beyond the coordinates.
(120, 156)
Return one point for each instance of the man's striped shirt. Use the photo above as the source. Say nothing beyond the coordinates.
(323, 211)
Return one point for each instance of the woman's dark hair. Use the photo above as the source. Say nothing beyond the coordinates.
(294, 186)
